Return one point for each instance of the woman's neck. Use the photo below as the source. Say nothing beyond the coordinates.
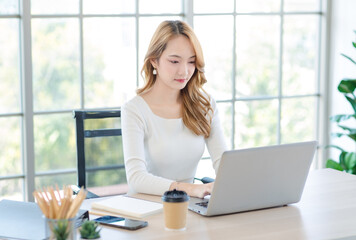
(163, 95)
(166, 103)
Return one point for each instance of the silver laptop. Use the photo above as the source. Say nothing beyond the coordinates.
(24, 220)
(257, 178)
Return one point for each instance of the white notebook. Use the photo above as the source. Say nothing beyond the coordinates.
(128, 206)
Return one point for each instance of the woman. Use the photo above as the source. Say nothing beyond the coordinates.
(166, 126)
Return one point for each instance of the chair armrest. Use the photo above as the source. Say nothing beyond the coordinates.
(76, 190)
(205, 179)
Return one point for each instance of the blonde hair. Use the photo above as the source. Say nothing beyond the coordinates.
(197, 111)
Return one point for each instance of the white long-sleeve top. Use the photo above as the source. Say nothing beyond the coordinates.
(159, 151)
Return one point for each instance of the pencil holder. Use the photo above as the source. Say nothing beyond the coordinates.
(61, 229)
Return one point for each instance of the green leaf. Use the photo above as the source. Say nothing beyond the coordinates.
(342, 117)
(61, 231)
(350, 160)
(334, 165)
(352, 101)
(342, 160)
(338, 134)
(90, 230)
(348, 58)
(354, 44)
(347, 85)
(350, 135)
(334, 146)
(351, 130)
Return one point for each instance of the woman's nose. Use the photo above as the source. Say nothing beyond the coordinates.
(183, 70)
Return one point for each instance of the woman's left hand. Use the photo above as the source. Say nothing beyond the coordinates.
(193, 190)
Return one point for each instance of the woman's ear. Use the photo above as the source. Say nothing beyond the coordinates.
(154, 63)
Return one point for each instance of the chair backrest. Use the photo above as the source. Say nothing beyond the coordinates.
(96, 155)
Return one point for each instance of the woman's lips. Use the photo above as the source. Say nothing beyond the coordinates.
(180, 80)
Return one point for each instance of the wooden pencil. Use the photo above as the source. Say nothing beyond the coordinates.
(55, 205)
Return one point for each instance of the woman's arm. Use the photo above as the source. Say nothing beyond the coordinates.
(138, 178)
(216, 146)
(215, 143)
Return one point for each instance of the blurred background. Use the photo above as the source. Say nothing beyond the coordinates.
(272, 66)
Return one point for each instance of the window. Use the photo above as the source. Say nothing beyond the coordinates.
(262, 65)
(11, 164)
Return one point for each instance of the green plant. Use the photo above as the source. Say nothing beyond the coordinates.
(347, 160)
(89, 230)
(61, 230)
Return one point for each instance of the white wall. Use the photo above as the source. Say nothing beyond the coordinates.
(343, 25)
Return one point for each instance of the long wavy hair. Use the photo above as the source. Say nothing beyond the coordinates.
(197, 111)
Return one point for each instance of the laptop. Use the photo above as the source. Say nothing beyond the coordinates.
(24, 220)
(258, 178)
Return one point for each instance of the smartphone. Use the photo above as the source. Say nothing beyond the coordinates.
(121, 222)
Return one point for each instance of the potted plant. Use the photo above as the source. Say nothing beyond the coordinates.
(347, 160)
(90, 230)
(61, 230)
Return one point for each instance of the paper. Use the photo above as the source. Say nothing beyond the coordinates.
(128, 206)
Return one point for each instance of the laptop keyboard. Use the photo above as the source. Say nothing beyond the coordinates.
(203, 204)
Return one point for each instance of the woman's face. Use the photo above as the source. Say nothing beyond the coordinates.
(176, 64)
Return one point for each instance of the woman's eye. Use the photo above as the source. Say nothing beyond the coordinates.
(192, 62)
(174, 61)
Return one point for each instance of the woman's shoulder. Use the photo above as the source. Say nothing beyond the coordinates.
(133, 103)
(136, 106)
(132, 106)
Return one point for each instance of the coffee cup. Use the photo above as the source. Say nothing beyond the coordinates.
(175, 207)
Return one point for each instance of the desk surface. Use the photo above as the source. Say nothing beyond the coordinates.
(327, 210)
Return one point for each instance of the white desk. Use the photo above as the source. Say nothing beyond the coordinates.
(327, 210)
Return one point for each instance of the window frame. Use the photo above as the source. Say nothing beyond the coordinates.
(27, 111)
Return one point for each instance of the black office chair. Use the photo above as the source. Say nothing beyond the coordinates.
(100, 159)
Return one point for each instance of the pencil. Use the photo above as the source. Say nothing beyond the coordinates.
(55, 205)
